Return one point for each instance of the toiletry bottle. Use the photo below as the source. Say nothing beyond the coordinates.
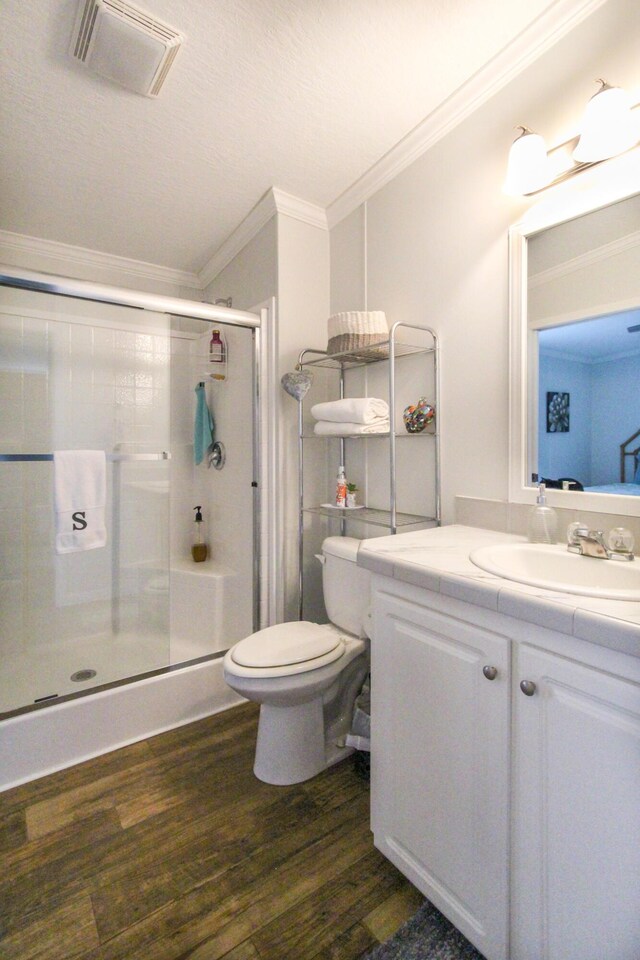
(543, 520)
(218, 355)
(341, 488)
(199, 549)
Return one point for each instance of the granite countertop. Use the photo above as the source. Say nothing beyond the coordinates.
(438, 560)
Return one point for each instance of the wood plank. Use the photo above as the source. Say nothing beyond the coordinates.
(42, 874)
(389, 916)
(228, 908)
(202, 732)
(74, 803)
(65, 933)
(124, 895)
(184, 854)
(78, 775)
(244, 951)
(336, 786)
(300, 932)
(13, 831)
(349, 945)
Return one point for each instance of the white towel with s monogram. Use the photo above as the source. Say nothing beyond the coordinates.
(79, 497)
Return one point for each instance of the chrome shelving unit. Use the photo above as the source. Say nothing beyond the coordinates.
(390, 352)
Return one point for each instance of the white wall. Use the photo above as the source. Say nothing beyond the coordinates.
(615, 416)
(252, 276)
(566, 454)
(437, 241)
(288, 259)
(303, 308)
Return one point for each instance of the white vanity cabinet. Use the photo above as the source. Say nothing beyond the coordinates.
(576, 822)
(440, 762)
(514, 809)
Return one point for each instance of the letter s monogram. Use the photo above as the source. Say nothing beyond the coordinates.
(79, 522)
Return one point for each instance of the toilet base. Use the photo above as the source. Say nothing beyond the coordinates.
(290, 747)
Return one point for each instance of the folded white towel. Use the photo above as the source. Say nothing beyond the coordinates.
(329, 428)
(79, 494)
(352, 410)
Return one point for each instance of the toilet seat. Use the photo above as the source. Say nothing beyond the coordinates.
(286, 649)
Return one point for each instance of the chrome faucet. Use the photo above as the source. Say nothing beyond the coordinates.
(591, 543)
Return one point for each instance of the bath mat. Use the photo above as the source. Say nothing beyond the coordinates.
(428, 935)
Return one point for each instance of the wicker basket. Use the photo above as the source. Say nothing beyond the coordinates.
(358, 331)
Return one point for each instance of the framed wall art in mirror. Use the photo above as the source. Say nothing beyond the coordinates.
(575, 348)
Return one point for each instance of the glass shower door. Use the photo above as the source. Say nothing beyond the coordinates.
(79, 375)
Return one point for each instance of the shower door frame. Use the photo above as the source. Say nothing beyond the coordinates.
(175, 306)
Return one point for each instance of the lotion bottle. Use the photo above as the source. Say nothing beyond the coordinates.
(543, 520)
(341, 488)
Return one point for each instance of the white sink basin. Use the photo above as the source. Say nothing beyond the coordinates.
(552, 566)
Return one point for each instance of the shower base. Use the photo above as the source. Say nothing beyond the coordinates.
(37, 743)
(27, 680)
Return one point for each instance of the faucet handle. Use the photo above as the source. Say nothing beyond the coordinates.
(576, 530)
(621, 542)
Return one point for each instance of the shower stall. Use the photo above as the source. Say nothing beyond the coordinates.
(115, 371)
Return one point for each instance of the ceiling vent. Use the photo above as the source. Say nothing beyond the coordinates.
(124, 44)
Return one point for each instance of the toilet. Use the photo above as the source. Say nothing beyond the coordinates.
(306, 676)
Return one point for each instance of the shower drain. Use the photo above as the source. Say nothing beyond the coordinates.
(80, 675)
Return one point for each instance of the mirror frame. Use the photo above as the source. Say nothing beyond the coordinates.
(607, 184)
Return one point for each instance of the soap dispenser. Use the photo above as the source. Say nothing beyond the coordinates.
(199, 550)
(543, 520)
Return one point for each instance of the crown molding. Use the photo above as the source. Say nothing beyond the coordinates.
(274, 201)
(298, 209)
(69, 255)
(542, 34)
(246, 230)
(588, 361)
(588, 259)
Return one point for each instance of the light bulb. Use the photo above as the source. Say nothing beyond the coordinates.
(528, 167)
(608, 126)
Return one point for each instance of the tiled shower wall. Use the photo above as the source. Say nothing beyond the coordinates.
(210, 616)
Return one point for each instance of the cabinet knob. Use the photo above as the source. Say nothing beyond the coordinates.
(490, 672)
(528, 687)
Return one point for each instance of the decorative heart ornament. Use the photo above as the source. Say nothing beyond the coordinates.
(416, 417)
(297, 384)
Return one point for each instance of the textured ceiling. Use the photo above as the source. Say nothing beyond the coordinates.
(304, 95)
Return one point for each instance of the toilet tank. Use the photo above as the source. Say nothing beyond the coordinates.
(346, 586)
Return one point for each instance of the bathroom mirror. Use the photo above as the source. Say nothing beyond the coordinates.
(575, 350)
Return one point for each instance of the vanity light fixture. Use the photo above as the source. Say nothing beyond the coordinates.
(610, 126)
(528, 168)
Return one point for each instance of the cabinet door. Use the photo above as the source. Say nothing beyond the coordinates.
(440, 760)
(577, 812)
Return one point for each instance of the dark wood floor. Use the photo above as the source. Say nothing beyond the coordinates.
(171, 849)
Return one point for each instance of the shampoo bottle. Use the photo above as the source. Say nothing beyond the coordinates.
(218, 355)
(543, 520)
(199, 550)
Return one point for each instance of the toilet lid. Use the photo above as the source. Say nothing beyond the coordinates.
(286, 643)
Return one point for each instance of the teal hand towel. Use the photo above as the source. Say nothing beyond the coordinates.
(204, 427)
